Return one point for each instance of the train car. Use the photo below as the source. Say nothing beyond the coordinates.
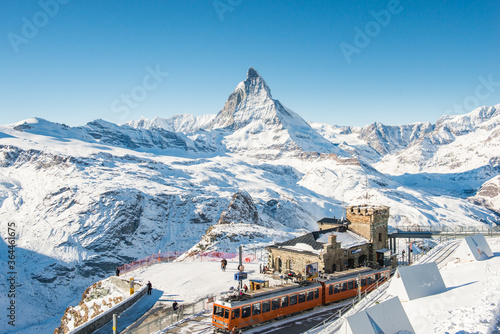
(344, 285)
(274, 302)
(266, 304)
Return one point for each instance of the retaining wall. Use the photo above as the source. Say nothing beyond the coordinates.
(103, 318)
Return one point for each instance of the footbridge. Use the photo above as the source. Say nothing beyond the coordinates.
(441, 233)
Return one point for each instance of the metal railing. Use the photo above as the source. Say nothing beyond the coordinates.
(375, 289)
(169, 317)
(440, 251)
(446, 229)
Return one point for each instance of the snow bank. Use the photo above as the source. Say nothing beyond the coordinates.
(416, 281)
(474, 248)
(386, 317)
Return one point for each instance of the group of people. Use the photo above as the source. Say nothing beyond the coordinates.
(263, 268)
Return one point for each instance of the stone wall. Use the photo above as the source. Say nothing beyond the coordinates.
(372, 223)
(292, 261)
(331, 260)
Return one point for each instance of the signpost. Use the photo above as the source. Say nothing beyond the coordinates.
(312, 271)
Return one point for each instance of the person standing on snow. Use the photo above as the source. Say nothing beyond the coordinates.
(150, 287)
(223, 264)
(117, 272)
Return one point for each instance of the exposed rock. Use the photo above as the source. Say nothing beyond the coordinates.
(240, 210)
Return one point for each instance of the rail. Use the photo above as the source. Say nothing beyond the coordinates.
(438, 254)
(375, 288)
(445, 229)
(170, 318)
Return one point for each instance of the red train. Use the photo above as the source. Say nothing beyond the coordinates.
(274, 302)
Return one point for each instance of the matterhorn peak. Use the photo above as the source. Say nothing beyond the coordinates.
(252, 73)
(248, 101)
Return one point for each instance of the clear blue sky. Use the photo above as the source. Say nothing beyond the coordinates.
(83, 56)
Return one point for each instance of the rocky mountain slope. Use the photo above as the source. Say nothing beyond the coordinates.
(86, 199)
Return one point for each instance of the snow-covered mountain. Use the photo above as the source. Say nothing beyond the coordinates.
(87, 199)
(251, 122)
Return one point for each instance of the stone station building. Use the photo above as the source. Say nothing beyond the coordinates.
(358, 239)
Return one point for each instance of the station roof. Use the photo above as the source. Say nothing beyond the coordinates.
(312, 243)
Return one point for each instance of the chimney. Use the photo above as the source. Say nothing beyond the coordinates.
(332, 239)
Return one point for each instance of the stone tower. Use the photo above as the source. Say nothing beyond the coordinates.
(370, 222)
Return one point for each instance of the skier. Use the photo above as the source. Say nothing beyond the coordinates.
(150, 287)
(174, 306)
(117, 272)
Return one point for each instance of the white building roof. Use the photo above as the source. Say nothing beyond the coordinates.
(348, 239)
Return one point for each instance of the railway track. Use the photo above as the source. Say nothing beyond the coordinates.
(439, 255)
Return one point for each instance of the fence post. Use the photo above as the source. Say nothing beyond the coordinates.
(115, 325)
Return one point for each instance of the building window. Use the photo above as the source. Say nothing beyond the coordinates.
(380, 237)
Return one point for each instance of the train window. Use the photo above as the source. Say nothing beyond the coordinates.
(336, 288)
(363, 281)
(302, 297)
(236, 313)
(330, 289)
(350, 285)
(310, 295)
(377, 277)
(344, 286)
(369, 280)
(226, 313)
(276, 304)
(218, 311)
(266, 306)
(245, 311)
(293, 299)
(355, 284)
(256, 309)
(316, 294)
(284, 301)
